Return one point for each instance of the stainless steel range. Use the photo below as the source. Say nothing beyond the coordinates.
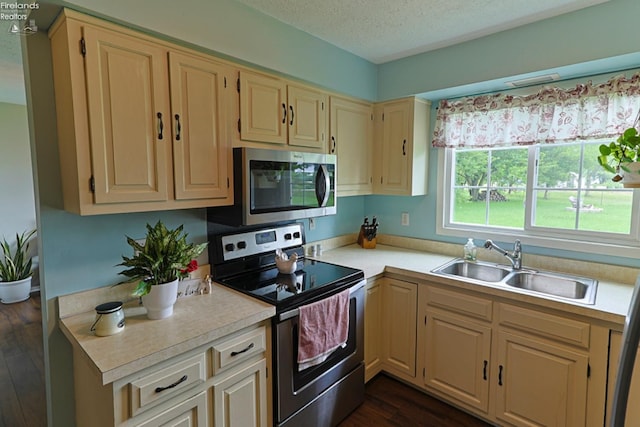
(321, 395)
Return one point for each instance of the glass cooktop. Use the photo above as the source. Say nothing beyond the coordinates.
(311, 281)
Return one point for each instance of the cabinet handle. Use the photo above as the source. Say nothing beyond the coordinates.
(500, 375)
(484, 371)
(291, 108)
(181, 380)
(284, 113)
(333, 147)
(160, 125)
(244, 350)
(404, 144)
(178, 128)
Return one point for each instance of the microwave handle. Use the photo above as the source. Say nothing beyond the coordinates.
(322, 186)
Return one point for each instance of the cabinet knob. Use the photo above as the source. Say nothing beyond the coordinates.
(333, 146)
(404, 144)
(284, 113)
(291, 108)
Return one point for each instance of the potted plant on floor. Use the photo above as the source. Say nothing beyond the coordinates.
(163, 259)
(621, 157)
(15, 269)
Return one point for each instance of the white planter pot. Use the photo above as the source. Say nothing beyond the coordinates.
(17, 291)
(631, 178)
(160, 300)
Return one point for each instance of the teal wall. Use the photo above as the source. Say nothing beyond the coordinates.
(80, 253)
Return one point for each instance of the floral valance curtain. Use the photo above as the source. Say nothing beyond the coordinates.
(551, 115)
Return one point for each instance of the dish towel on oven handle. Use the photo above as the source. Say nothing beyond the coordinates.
(323, 326)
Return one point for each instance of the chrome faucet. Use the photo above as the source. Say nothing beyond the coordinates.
(515, 257)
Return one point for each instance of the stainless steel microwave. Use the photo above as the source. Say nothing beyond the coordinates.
(274, 186)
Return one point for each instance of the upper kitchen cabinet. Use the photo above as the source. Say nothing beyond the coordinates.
(351, 139)
(402, 147)
(141, 126)
(280, 113)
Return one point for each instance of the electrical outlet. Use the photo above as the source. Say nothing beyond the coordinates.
(312, 223)
(405, 219)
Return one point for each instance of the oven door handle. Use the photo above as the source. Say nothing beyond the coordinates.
(293, 313)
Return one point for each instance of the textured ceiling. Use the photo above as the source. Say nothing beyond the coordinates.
(377, 30)
(384, 30)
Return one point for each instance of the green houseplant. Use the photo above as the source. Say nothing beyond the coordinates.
(621, 156)
(15, 269)
(163, 259)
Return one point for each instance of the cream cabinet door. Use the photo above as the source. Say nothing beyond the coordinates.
(373, 329)
(633, 408)
(351, 124)
(307, 117)
(128, 105)
(402, 147)
(240, 399)
(396, 147)
(201, 150)
(190, 413)
(457, 358)
(400, 324)
(263, 108)
(538, 383)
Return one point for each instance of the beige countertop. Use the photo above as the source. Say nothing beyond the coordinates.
(196, 320)
(611, 304)
(201, 319)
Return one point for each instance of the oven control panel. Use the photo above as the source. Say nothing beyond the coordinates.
(260, 241)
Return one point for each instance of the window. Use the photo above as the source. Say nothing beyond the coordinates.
(556, 191)
(526, 166)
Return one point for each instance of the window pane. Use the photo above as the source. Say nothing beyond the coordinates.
(490, 187)
(575, 193)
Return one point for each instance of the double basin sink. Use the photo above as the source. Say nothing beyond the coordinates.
(554, 285)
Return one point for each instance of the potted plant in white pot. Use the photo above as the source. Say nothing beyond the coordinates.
(15, 269)
(621, 157)
(163, 259)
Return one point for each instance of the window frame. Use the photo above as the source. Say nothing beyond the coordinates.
(572, 240)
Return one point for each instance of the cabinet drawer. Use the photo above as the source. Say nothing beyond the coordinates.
(160, 385)
(237, 349)
(546, 325)
(459, 303)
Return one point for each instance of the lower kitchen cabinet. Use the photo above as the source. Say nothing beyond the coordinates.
(510, 364)
(633, 408)
(239, 398)
(373, 329)
(399, 327)
(539, 383)
(223, 383)
(390, 328)
(192, 412)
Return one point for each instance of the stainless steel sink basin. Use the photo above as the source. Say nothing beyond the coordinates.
(550, 284)
(576, 288)
(474, 270)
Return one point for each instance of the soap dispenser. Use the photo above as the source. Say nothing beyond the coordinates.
(470, 250)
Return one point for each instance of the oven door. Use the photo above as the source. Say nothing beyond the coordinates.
(295, 389)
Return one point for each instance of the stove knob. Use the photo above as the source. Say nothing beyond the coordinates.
(229, 247)
(242, 244)
(296, 235)
(287, 236)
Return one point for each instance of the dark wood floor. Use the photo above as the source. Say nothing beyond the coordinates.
(390, 403)
(22, 387)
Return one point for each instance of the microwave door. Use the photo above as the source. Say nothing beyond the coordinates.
(322, 186)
